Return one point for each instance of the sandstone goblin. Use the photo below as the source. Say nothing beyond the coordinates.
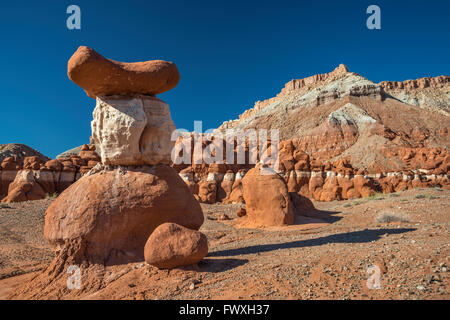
(107, 216)
(172, 245)
(99, 76)
(35, 178)
(267, 199)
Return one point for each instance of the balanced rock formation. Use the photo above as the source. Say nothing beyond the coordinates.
(172, 245)
(267, 199)
(108, 215)
(99, 76)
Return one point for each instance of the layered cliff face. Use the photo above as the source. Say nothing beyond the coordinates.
(427, 93)
(344, 137)
(343, 115)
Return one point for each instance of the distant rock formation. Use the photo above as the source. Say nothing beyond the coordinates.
(432, 94)
(19, 152)
(344, 137)
(36, 178)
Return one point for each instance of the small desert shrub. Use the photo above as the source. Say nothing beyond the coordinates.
(51, 196)
(394, 195)
(376, 196)
(420, 196)
(356, 203)
(4, 206)
(438, 188)
(347, 205)
(392, 217)
(432, 197)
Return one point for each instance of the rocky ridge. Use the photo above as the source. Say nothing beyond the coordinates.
(338, 126)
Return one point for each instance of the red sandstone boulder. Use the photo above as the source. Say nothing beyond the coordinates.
(236, 194)
(241, 212)
(107, 216)
(171, 245)
(331, 190)
(364, 186)
(11, 163)
(89, 155)
(24, 188)
(99, 76)
(267, 198)
(347, 189)
(32, 163)
(315, 186)
(207, 191)
(53, 165)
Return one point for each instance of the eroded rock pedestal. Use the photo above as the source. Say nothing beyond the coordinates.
(107, 216)
(267, 198)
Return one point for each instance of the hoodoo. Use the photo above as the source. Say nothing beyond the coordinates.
(107, 216)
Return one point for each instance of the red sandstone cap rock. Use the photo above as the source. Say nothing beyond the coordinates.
(99, 76)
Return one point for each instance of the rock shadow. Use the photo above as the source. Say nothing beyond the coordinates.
(220, 265)
(304, 207)
(363, 236)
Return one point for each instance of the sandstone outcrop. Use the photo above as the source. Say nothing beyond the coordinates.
(107, 216)
(100, 77)
(35, 178)
(341, 116)
(267, 198)
(427, 93)
(19, 152)
(132, 131)
(326, 146)
(171, 245)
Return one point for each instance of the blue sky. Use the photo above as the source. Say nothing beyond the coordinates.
(229, 54)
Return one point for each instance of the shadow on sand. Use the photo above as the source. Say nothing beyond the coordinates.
(220, 265)
(363, 236)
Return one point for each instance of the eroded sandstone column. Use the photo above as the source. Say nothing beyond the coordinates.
(107, 216)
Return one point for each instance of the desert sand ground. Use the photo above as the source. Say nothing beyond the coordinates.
(315, 259)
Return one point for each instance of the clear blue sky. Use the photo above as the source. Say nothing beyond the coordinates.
(229, 54)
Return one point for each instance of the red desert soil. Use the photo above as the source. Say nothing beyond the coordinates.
(308, 261)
